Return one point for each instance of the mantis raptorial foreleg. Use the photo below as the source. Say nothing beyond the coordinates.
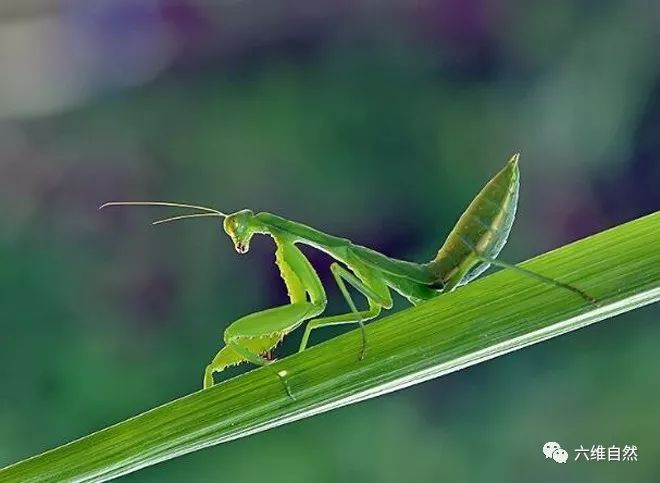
(252, 335)
(372, 287)
(229, 355)
(249, 337)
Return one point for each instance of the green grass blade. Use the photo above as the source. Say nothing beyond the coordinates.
(489, 317)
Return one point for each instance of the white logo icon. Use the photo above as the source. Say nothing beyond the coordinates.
(553, 450)
(549, 448)
(560, 455)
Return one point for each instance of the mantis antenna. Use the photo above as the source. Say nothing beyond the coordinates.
(209, 211)
(162, 203)
(184, 217)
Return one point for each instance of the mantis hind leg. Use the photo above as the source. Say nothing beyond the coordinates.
(372, 287)
(539, 277)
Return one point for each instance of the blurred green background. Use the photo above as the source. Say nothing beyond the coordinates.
(378, 121)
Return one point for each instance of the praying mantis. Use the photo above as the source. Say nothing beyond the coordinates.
(471, 247)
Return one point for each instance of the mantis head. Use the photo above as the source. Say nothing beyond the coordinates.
(240, 227)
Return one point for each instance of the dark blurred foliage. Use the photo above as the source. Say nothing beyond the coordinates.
(378, 121)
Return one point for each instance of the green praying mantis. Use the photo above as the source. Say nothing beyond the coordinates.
(471, 247)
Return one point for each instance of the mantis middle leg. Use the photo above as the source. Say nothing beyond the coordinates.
(250, 336)
(371, 286)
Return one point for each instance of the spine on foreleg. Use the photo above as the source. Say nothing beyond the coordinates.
(483, 228)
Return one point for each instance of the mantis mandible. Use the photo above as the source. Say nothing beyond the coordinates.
(471, 247)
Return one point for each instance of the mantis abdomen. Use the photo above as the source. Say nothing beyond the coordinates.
(482, 230)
